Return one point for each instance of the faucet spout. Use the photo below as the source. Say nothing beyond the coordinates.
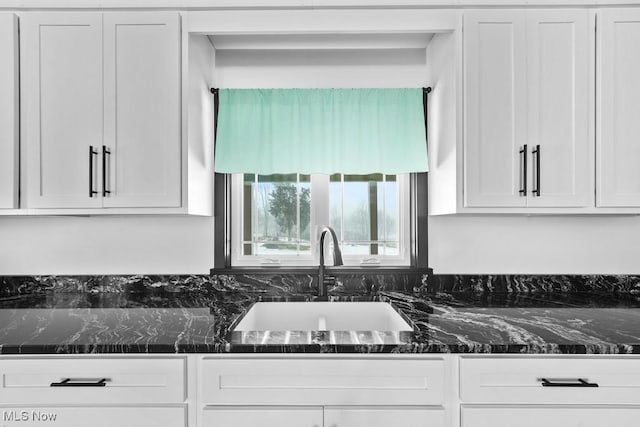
(337, 259)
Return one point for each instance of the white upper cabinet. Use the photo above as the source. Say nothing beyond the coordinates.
(618, 139)
(560, 101)
(495, 107)
(8, 111)
(528, 103)
(142, 109)
(101, 110)
(61, 106)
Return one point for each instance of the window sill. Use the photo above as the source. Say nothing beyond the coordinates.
(314, 270)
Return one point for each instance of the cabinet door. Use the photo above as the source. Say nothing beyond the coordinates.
(8, 111)
(618, 144)
(410, 416)
(262, 416)
(550, 416)
(27, 416)
(61, 105)
(560, 82)
(494, 107)
(142, 109)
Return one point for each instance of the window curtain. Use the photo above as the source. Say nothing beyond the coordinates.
(350, 131)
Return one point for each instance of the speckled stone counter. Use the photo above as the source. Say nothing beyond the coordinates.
(169, 320)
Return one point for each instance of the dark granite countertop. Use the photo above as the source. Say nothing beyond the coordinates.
(182, 322)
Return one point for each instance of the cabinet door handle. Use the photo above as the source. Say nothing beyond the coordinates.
(566, 382)
(91, 154)
(523, 165)
(536, 153)
(105, 152)
(81, 382)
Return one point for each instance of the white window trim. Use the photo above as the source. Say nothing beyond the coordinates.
(319, 216)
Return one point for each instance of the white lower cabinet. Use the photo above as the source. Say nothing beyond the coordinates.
(409, 416)
(92, 380)
(320, 390)
(323, 391)
(301, 416)
(549, 391)
(27, 416)
(550, 416)
(263, 416)
(94, 391)
(550, 380)
(323, 381)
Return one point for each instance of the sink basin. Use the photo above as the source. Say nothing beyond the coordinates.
(322, 316)
(322, 322)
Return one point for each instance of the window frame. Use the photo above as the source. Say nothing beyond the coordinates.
(319, 216)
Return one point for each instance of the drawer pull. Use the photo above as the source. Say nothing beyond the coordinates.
(566, 382)
(81, 382)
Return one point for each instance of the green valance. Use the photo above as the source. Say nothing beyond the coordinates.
(351, 131)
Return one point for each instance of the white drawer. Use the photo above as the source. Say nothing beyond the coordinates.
(323, 382)
(551, 416)
(27, 416)
(520, 380)
(130, 381)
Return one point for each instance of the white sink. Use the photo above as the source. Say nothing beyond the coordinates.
(322, 316)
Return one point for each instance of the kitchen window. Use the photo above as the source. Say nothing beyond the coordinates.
(276, 218)
(295, 160)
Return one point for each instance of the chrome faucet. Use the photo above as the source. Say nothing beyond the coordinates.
(323, 280)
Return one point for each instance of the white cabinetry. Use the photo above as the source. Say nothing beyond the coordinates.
(361, 416)
(320, 390)
(618, 143)
(329, 392)
(512, 129)
(555, 391)
(528, 79)
(90, 391)
(495, 107)
(8, 111)
(264, 416)
(407, 416)
(101, 110)
(61, 108)
(566, 416)
(69, 416)
(142, 109)
(560, 107)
